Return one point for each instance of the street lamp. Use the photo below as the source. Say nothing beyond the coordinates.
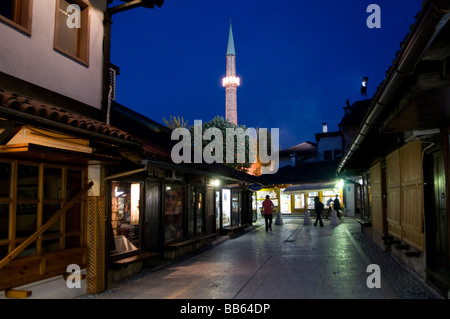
(365, 79)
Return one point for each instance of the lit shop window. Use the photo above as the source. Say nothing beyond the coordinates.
(299, 201)
(72, 29)
(17, 13)
(125, 216)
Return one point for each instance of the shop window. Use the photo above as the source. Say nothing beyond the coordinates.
(236, 207)
(299, 201)
(218, 209)
(72, 29)
(196, 211)
(285, 202)
(328, 199)
(17, 13)
(173, 212)
(226, 207)
(125, 216)
(311, 199)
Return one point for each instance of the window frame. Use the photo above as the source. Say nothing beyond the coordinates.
(63, 233)
(84, 40)
(24, 27)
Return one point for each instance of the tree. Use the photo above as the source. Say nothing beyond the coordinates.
(222, 124)
(175, 122)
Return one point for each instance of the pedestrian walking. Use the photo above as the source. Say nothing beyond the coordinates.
(337, 206)
(318, 205)
(330, 207)
(267, 207)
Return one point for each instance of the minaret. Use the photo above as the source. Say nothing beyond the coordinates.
(231, 82)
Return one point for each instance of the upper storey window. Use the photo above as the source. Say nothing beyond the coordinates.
(72, 29)
(17, 13)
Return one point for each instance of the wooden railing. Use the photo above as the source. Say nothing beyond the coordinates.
(13, 254)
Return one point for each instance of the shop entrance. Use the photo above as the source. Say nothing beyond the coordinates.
(125, 216)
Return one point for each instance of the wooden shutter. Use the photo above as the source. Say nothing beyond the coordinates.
(412, 194)
(376, 197)
(404, 179)
(393, 192)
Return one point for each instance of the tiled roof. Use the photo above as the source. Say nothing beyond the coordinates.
(58, 115)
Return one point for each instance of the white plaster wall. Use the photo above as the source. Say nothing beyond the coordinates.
(33, 58)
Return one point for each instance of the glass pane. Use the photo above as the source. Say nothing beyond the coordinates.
(5, 179)
(27, 182)
(7, 9)
(26, 220)
(125, 213)
(174, 207)
(192, 201)
(218, 209)
(4, 221)
(73, 183)
(73, 218)
(48, 211)
(226, 207)
(199, 211)
(52, 183)
(67, 38)
(73, 242)
(51, 245)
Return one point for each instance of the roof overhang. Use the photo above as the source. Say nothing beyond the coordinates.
(310, 187)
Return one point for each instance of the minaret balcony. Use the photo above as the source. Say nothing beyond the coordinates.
(231, 81)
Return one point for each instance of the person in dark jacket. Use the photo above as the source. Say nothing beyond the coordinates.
(318, 205)
(337, 206)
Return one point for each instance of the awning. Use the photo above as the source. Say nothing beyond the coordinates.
(303, 188)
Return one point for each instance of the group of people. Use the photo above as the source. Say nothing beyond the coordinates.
(267, 210)
(318, 206)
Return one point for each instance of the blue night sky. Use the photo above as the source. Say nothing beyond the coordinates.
(298, 60)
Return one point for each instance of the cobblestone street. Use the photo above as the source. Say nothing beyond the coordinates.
(291, 262)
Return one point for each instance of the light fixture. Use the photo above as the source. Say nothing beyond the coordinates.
(365, 79)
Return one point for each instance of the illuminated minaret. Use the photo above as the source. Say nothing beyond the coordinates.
(231, 82)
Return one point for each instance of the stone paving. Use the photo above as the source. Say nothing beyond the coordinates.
(291, 262)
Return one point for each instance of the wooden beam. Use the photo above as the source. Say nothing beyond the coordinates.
(41, 230)
(21, 294)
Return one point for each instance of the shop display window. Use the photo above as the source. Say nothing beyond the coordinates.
(285, 202)
(299, 201)
(125, 216)
(173, 212)
(236, 207)
(226, 207)
(196, 211)
(218, 209)
(328, 199)
(311, 196)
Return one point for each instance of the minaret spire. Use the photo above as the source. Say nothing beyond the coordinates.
(231, 81)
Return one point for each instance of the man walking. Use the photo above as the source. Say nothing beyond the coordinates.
(267, 207)
(318, 205)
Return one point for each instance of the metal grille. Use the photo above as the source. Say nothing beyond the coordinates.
(96, 244)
